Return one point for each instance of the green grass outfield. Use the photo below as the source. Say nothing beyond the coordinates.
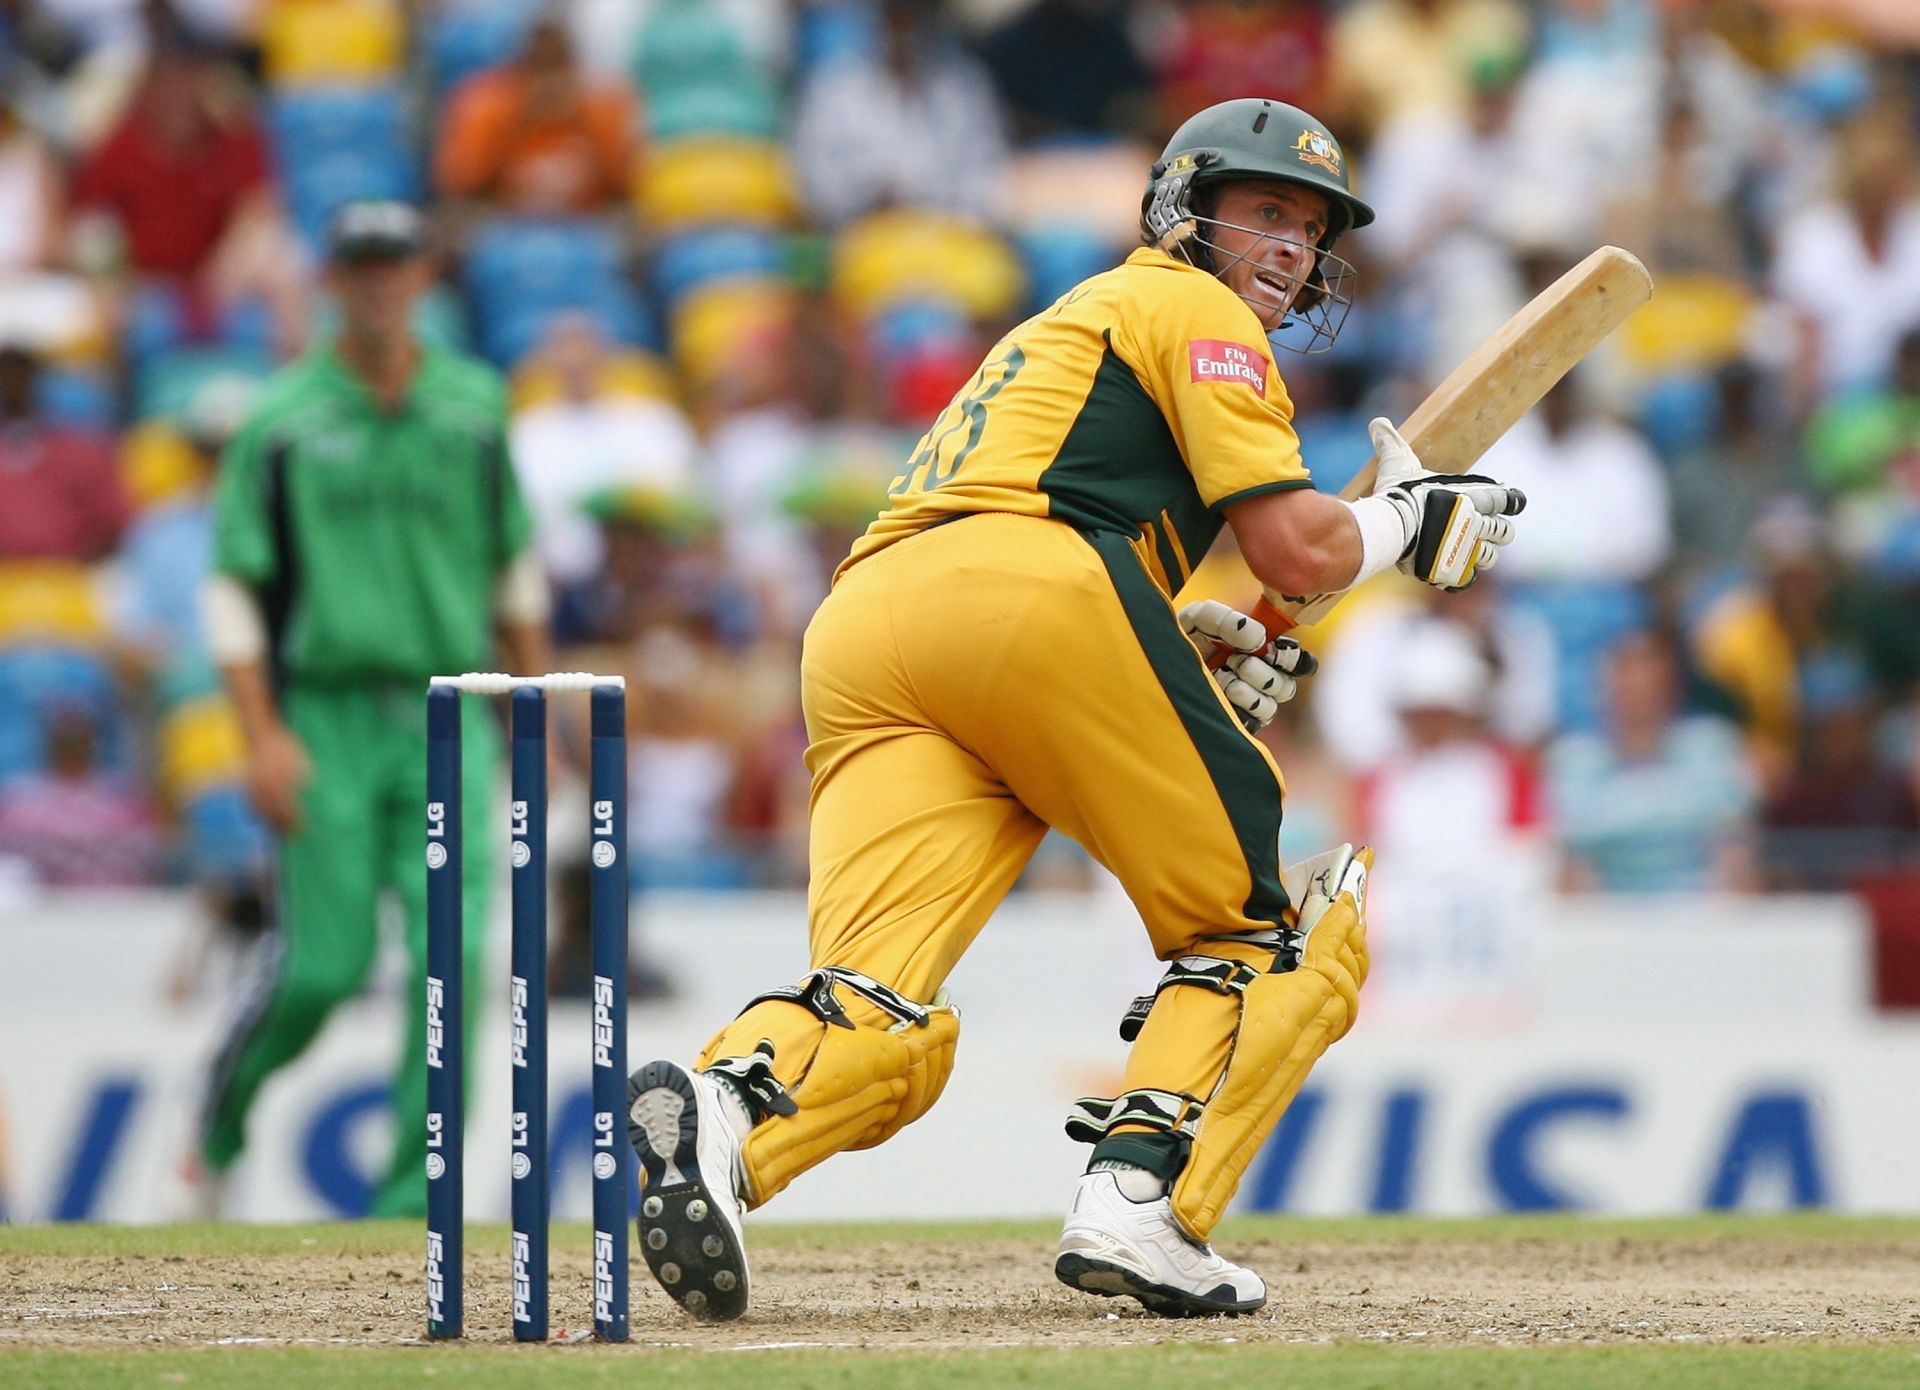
(1340, 1366)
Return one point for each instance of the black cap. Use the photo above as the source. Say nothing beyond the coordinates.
(376, 230)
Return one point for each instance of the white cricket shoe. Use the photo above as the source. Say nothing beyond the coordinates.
(1113, 1245)
(690, 1205)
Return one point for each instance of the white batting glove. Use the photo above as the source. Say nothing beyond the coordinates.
(1455, 522)
(1259, 675)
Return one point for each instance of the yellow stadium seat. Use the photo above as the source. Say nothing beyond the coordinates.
(1696, 322)
(51, 601)
(692, 182)
(723, 326)
(913, 254)
(315, 42)
(626, 373)
(157, 463)
(199, 747)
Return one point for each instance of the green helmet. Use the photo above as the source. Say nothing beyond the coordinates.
(1249, 137)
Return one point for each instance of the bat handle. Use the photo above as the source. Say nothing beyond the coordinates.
(1264, 613)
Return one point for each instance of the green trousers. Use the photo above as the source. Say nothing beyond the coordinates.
(362, 832)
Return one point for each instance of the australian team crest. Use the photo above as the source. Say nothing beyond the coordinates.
(1315, 148)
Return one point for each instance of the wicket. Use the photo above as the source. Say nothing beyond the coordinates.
(607, 919)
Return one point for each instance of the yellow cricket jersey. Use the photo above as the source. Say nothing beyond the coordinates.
(1142, 402)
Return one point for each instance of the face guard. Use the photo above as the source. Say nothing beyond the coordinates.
(1311, 311)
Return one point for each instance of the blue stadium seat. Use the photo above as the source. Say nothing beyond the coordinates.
(684, 263)
(161, 319)
(336, 145)
(465, 36)
(522, 271)
(81, 399)
(1586, 620)
(225, 837)
(1059, 257)
(36, 683)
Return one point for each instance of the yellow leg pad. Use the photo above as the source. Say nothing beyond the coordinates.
(1286, 1022)
(853, 1087)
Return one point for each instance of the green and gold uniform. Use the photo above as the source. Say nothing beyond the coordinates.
(1000, 654)
(375, 542)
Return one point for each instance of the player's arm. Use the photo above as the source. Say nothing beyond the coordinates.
(245, 557)
(1440, 528)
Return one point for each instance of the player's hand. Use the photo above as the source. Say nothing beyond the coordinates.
(1455, 522)
(278, 770)
(1260, 674)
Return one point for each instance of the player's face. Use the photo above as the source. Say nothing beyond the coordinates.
(377, 296)
(1265, 233)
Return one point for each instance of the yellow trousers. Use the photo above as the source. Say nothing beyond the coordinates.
(964, 690)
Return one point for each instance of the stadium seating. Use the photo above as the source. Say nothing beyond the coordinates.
(462, 37)
(325, 42)
(709, 180)
(337, 144)
(521, 271)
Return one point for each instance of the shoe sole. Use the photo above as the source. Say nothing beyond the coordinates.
(1114, 1281)
(694, 1255)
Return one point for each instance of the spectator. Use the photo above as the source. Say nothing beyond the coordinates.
(1391, 58)
(916, 123)
(1842, 813)
(1721, 482)
(64, 500)
(535, 136)
(74, 825)
(1453, 908)
(168, 549)
(1596, 494)
(1355, 700)
(1753, 641)
(587, 440)
(188, 126)
(1849, 265)
(1863, 448)
(1072, 68)
(30, 190)
(1663, 800)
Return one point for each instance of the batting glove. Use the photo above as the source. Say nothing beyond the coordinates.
(1259, 674)
(1455, 522)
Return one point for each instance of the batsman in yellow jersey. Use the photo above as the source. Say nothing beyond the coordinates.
(1000, 654)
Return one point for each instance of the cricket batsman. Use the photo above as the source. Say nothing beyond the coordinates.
(1000, 654)
(370, 533)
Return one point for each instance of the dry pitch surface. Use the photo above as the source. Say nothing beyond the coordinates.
(1846, 1286)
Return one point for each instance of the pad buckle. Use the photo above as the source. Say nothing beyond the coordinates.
(1206, 972)
(814, 991)
(752, 1076)
(1166, 1112)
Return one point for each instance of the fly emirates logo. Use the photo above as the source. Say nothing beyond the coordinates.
(1216, 360)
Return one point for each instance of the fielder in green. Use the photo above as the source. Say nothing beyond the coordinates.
(370, 535)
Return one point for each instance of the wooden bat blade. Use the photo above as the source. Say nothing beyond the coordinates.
(1506, 376)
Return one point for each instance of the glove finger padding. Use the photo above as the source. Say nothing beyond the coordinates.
(1255, 705)
(1210, 621)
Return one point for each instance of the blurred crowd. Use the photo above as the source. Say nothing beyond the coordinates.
(734, 255)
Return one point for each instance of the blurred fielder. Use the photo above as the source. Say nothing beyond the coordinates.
(1000, 654)
(369, 533)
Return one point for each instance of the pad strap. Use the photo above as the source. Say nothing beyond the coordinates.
(1216, 973)
(814, 992)
(752, 1077)
(1167, 1112)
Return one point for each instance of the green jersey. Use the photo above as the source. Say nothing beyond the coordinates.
(375, 540)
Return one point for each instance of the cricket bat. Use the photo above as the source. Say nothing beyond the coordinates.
(1502, 380)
